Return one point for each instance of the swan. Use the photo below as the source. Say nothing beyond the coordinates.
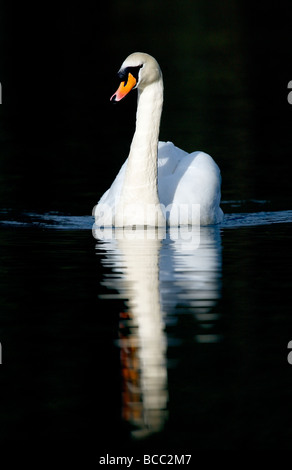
(159, 183)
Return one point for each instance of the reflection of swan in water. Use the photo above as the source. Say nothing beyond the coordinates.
(142, 336)
(154, 271)
(194, 270)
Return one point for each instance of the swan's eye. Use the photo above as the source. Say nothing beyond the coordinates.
(124, 73)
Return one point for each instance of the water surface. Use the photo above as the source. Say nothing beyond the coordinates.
(139, 335)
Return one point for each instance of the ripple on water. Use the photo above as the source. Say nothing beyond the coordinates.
(57, 220)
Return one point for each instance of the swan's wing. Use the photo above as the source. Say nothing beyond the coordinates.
(169, 156)
(196, 180)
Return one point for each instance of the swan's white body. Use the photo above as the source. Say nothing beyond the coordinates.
(159, 183)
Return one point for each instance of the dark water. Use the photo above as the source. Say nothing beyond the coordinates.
(125, 342)
(170, 342)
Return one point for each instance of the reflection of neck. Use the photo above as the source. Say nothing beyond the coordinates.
(142, 272)
(140, 258)
(140, 183)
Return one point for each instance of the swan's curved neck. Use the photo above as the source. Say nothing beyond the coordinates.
(141, 174)
(149, 108)
(140, 183)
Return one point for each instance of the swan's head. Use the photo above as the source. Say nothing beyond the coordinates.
(137, 71)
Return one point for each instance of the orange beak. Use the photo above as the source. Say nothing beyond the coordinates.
(123, 89)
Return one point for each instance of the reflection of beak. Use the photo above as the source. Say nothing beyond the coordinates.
(123, 89)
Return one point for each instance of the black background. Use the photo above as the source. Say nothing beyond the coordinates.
(62, 142)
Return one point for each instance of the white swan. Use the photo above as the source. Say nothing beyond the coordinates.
(159, 183)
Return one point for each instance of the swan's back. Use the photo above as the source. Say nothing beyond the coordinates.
(169, 157)
(189, 179)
